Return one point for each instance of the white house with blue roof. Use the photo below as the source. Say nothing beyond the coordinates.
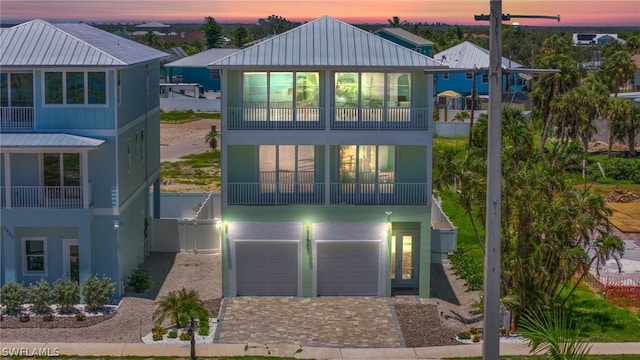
(326, 165)
(79, 143)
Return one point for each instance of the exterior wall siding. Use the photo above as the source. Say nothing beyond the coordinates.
(25, 170)
(201, 76)
(102, 175)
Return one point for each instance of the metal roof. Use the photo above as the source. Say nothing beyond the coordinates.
(12, 141)
(153, 24)
(327, 42)
(202, 59)
(406, 36)
(468, 55)
(39, 43)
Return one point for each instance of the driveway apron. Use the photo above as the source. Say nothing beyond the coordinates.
(323, 321)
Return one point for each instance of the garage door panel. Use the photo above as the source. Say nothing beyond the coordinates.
(267, 268)
(348, 268)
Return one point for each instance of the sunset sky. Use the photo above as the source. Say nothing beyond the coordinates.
(572, 12)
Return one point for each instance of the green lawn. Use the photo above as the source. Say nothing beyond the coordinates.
(195, 169)
(179, 117)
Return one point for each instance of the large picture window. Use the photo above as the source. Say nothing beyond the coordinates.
(16, 89)
(367, 164)
(75, 88)
(286, 165)
(61, 175)
(34, 257)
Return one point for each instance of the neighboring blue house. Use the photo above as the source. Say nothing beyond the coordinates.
(407, 39)
(193, 69)
(326, 165)
(471, 56)
(79, 135)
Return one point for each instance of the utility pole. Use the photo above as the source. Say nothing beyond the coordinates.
(492, 261)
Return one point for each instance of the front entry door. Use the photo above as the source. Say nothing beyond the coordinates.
(71, 260)
(405, 247)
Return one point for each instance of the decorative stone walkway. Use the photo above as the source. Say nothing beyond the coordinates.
(323, 321)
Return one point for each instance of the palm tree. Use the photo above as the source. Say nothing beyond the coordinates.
(180, 306)
(396, 23)
(618, 67)
(627, 128)
(212, 139)
(618, 111)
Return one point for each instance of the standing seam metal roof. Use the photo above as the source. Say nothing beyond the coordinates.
(468, 55)
(202, 59)
(50, 140)
(39, 43)
(327, 42)
(406, 36)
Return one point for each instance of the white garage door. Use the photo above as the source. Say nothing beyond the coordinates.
(268, 268)
(348, 267)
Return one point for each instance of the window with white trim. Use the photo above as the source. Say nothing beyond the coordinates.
(468, 76)
(34, 256)
(75, 88)
(214, 73)
(485, 78)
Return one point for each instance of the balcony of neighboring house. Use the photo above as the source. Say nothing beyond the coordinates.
(16, 101)
(44, 197)
(52, 180)
(291, 100)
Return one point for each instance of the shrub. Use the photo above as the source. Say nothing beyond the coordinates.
(173, 334)
(464, 336)
(97, 291)
(185, 336)
(12, 296)
(203, 331)
(139, 280)
(473, 330)
(47, 317)
(157, 332)
(467, 267)
(40, 295)
(476, 338)
(66, 295)
(81, 317)
(24, 317)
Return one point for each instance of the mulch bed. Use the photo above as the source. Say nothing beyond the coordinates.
(421, 326)
(37, 321)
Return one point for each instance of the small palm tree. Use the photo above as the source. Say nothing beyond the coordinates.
(180, 306)
(212, 139)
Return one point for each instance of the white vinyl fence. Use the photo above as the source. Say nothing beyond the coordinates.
(197, 105)
(189, 222)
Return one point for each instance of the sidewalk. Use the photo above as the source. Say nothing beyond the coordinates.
(287, 350)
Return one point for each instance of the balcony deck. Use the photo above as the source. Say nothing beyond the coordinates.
(43, 197)
(342, 118)
(16, 118)
(272, 193)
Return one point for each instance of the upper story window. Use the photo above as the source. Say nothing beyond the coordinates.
(75, 88)
(468, 76)
(372, 90)
(16, 89)
(485, 78)
(366, 164)
(214, 73)
(286, 164)
(281, 89)
(445, 76)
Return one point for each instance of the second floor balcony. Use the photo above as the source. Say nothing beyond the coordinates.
(332, 118)
(16, 118)
(44, 197)
(380, 193)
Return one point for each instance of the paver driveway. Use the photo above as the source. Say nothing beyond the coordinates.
(323, 321)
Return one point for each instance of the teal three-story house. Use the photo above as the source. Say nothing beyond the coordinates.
(79, 141)
(326, 164)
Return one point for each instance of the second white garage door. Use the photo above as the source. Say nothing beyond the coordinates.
(347, 267)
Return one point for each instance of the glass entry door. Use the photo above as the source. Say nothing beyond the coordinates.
(71, 260)
(405, 258)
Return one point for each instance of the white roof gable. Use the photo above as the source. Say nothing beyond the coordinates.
(39, 43)
(327, 42)
(468, 55)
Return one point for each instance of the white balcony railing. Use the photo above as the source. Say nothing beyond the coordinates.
(16, 118)
(341, 118)
(48, 197)
(340, 193)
